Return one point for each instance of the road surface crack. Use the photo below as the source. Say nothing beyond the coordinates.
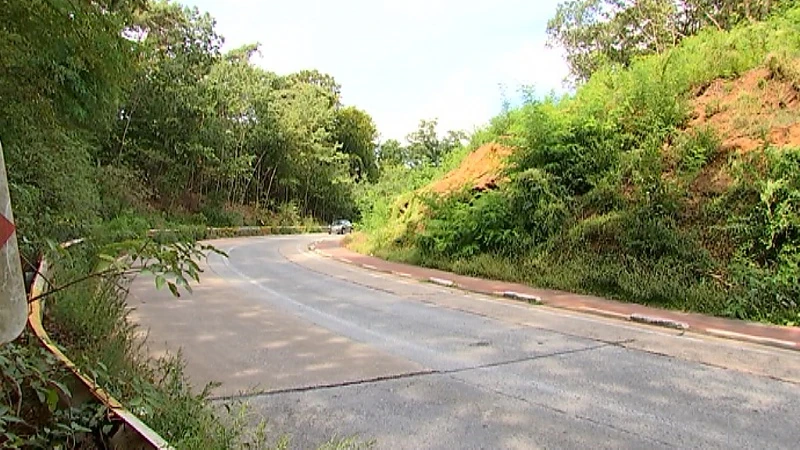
(402, 376)
(528, 359)
(318, 387)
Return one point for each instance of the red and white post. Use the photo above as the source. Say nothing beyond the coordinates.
(13, 301)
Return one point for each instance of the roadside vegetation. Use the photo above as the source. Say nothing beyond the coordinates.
(670, 177)
(121, 116)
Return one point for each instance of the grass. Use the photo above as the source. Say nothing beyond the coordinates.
(90, 321)
(610, 194)
(664, 286)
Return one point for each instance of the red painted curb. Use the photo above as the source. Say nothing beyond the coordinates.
(739, 330)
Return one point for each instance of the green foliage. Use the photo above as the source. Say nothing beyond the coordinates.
(121, 191)
(426, 147)
(32, 411)
(596, 33)
(113, 109)
(606, 189)
(574, 151)
(696, 149)
(62, 75)
(357, 134)
(201, 124)
(392, 153)
(765, 227)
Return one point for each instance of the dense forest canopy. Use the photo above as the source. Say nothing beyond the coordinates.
(111, 107)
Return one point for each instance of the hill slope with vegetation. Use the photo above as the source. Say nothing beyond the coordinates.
(671, 178)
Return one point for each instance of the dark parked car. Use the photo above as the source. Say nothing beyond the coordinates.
(340, 227)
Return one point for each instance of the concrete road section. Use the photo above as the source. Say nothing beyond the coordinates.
(320, 348)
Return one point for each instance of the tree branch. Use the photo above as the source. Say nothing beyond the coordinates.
(82, 279)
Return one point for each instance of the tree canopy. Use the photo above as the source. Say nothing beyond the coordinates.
(594, 33)
(111, 106)
(425, 146)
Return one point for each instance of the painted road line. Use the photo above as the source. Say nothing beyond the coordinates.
(401, 274)
(369, 267)
(748, 337)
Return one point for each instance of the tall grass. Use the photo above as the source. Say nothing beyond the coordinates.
(91, 320)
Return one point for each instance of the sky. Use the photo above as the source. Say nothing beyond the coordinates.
(406, 60)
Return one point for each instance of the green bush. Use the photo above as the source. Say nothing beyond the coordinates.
(766, 226)
(217, 216)
(32, 414)
(599, 198)
(696, 149)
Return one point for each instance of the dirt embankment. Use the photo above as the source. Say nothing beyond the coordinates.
(750, 112)
(479, 171)
(759, 109)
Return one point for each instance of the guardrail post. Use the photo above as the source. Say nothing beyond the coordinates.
(13, 300)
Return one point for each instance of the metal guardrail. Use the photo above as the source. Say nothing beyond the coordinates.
(248, 231)
(132, 432)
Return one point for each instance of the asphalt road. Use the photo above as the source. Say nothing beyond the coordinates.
(320, 349)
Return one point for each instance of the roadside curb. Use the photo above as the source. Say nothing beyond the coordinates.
(649, 319)
(659, 321)
(442, 282)
(753, 339)
(532, 299)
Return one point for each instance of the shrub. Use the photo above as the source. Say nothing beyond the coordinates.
(696, 149)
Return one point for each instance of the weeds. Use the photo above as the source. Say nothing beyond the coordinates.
(608, 193)
(696, 149)
(33, 413)
(784, 66)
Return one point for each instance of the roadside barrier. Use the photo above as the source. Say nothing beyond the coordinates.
(128, 431)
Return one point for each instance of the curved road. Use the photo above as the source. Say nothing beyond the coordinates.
(319, 348)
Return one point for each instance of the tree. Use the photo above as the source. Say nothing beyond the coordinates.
(356, 132)
(324, 82)
(63, 72)
(425, 146)
(392, 153)
(98, 92)
(160, 125)
(598, 32)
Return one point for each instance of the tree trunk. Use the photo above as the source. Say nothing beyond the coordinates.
(271, 178)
